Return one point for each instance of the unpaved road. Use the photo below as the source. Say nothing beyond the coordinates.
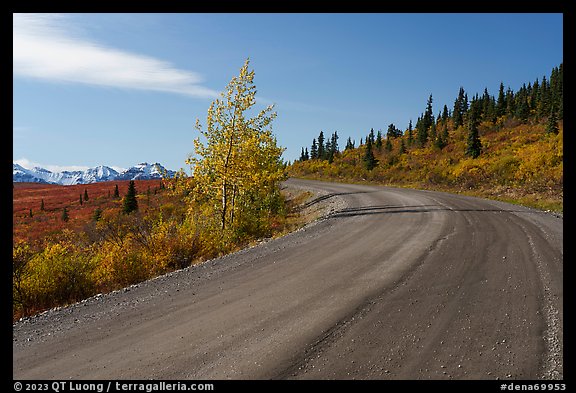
(395, 284)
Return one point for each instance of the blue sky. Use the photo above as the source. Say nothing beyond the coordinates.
(120, 89)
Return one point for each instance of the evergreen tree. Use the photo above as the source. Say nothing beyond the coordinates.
(473, 144)
(321, 152)
(378, 142)
(522, 110)
(560, 91)
(332, 147)
(421, 132)
(116, 192)
(65, 217)
(445, 114)
(393, 132)
(371, 137)
(85, 194)
(556, 93)
(306, 155)
(302, 157)
(552, 126)
(445, 135)
(388, 145)
(402, 148)
(510, 102)
(432, 133)
(534, 95)
(80, 199)
(459, 108)
(501, 103)
(487, 106)
(314, 150)
(442, 138)
(130, 203)
(370, 162)
(42, 205)
(349, 144)
(428, 118)
(543, 107)
(556, 89)
(31, 215)
(97, 214)
(410, 135)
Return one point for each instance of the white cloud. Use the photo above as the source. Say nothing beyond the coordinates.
(26, 163)
(47, 46)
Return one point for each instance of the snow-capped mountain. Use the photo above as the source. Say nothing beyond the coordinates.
(100, 173)
(21, 174)
(144, 171)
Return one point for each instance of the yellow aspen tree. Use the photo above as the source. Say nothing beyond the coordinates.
(236, 156)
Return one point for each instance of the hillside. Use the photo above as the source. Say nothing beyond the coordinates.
(509, 148)
(521, 164)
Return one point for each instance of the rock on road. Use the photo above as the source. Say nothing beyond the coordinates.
(395, 284)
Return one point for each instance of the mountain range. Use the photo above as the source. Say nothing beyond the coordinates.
(143, 171)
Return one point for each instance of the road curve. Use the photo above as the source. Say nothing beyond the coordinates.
(396, 284)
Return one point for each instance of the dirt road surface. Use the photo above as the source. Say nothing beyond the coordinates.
(392, 284)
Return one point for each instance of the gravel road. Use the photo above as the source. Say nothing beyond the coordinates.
(390, 284)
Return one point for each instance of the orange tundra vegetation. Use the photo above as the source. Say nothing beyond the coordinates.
(47, 201)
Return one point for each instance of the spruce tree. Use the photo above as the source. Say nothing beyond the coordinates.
(116, 192)
(421, 132)
(388, 145)
(85, 194)
(371, 136)
(473, 144)
(370, 162)
(432, 133)
(501, 103)
(543, 107)
(42, 205)
(130, 203)
(442, 138)
(552, 126)
(80, 199)
(328, 151)
(97, 214)
(522, 109)
(332, 146)
(445, 114)
(349, 144)
(459, 108)
(510, 102)
(378, 142)
(321, 151)
(534, 95)
(314, 150)
(410, 135)
(65, 217)
(402, 148)
(428, 118)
